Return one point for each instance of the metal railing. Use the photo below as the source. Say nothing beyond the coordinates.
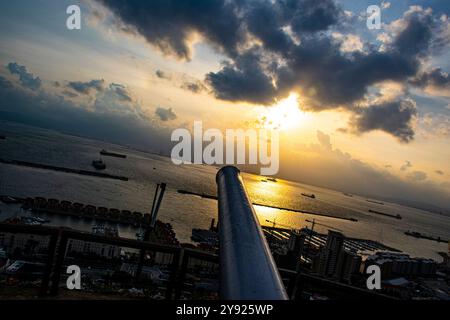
(57, 251)
(247, 268)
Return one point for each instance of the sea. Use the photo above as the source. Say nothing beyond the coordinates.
(185, 212)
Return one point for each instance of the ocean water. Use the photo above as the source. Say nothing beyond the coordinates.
(185, 212)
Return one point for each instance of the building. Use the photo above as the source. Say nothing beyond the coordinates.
(349, 264)
(295, 249)
(327, 262)
(393, 264)
(25, 243)
(94, 248)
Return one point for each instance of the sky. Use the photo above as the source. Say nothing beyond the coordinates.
(359, 110)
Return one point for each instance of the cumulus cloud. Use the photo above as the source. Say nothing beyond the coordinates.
(434, 80)
(26, 78)
(243, 80)
(169, 25)
(121, 92)
(83, 116)
(393, 117)
(165, 114)
(275, 47)
(324, 140)
(87, 87)
(312, 15)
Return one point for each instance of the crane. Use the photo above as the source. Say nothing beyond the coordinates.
(323, 225)
(278, 224)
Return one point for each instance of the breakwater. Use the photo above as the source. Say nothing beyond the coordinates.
(208, 196)
(63, 169)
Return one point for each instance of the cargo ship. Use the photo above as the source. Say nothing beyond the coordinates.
(312, 195)
(103, 152)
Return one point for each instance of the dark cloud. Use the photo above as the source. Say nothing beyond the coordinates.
(312, 15)
(416, 37)
(87, 87)
(169, 24)
(326, 76)
(26, 78)
(331, 79)
(292, 49)
(393, 117)
(165, 114)
(435, 78)
(243, 80)
(264, 21)
(121, 92)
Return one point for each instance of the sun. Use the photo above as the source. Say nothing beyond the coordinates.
(284, 115)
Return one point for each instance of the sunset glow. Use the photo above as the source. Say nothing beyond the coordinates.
(284, 115)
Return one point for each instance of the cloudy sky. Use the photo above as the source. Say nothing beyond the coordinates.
(359, 110)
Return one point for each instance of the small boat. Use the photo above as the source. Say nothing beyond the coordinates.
(99, 164)
(312, 195)
(263, 180)
(271, 179)
(103, 152)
